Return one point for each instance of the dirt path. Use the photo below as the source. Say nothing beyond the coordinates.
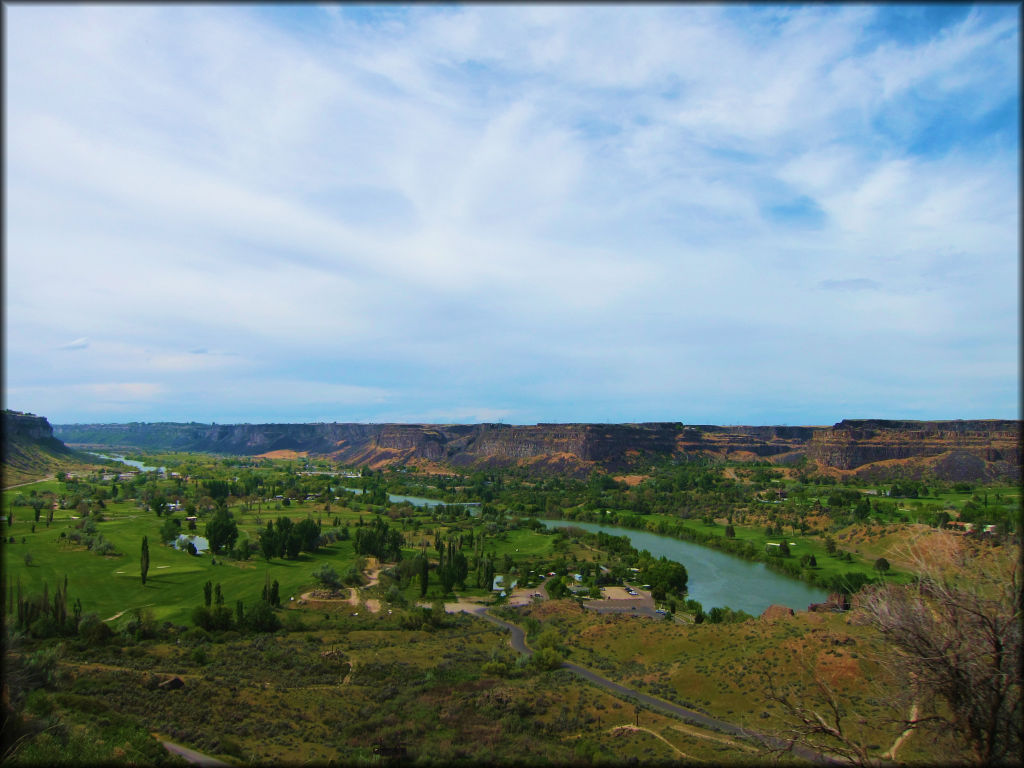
(372, 575)
(891, 754)
(517, 638)
(712, 737)
(372, 604)
(635, 728)
(190, 755)
(459, 606)
(30, 482)
(119, 614)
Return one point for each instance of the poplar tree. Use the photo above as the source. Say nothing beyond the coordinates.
(144, 562)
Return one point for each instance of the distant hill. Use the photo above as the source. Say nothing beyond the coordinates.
(31, 452)
(953, 450)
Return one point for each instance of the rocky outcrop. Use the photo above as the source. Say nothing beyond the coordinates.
(855, 443)
(26, 426)
(878, 449)
(30, 451)
(776, 612)
(777, 443)
(837, 601)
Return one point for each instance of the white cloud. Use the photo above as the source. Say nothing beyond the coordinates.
(81, 343)
(629, 203)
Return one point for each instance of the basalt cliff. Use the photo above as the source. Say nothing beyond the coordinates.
(30, 450)
(876, 448)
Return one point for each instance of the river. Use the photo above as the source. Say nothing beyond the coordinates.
(419, 501)
(130, 462)
(717, 578)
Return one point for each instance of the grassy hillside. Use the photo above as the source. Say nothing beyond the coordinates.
(31, 452)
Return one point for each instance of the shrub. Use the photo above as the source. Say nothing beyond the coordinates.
(261, 618)
(327, 576)
(93, 630)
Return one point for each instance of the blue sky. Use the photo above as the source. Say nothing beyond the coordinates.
(776, 214)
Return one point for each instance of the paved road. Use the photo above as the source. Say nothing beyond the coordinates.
(517, 637)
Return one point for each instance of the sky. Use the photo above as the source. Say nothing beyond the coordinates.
(710, 214)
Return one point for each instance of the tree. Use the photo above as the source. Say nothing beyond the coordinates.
(293, 544)
(308, 533)
(881, 565)
(951, 642)
(144, 560)
(261, 618)
(730, 532)
(221, 531)
(666, 577)
(957, 631)
(379, 540)
(423, 572)
(207, 593)
(268, 541)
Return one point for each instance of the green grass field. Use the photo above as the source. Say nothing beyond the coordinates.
(109, 586)
(112, 585)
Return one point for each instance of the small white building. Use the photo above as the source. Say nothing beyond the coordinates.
(498, 585)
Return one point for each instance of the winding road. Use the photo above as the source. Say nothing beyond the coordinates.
(517, 638)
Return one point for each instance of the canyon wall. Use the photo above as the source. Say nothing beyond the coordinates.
(979, 449)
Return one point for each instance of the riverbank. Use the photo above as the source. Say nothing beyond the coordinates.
(716, 579)
(830, 579)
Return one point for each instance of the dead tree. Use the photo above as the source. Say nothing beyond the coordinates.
(956, 634)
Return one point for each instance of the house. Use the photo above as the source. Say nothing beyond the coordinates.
(498, 585)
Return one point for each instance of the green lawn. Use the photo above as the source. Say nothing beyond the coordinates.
(110, 585)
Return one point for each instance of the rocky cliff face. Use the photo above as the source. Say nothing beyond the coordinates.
(30, 451)
(854, 443)
(988, 449)
(26, 426)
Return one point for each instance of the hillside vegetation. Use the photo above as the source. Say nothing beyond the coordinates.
(323, 621)
(31, 452)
